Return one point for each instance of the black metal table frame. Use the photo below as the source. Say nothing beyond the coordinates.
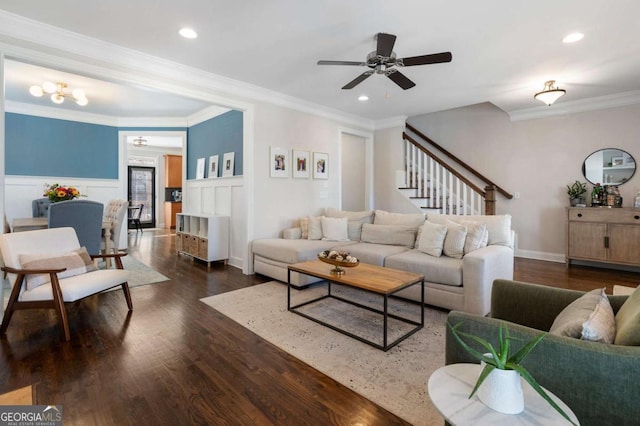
(384, 312)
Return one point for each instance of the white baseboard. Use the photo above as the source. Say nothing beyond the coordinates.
(540, 255)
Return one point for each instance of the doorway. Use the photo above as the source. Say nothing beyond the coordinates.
(141, 190)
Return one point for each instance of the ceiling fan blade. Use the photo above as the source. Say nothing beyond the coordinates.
(401, 80)
(435, 58)
(359, 79)
(385, 44)
(342, 63)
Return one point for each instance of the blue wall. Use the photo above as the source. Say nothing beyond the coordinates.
(216, 136)
(37, 146)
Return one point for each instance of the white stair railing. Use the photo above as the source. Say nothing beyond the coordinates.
(434, 187)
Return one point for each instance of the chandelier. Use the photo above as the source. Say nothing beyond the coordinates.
(550, 93)
(139, 141)
(58, 92)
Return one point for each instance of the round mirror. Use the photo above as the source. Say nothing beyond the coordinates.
(609, 166)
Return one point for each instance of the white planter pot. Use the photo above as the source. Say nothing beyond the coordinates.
(502, 391)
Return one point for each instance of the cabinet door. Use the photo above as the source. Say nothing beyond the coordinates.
(586, 240)
(624, 244)
(173, 171)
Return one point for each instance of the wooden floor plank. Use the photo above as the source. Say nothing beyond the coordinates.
(174, 360)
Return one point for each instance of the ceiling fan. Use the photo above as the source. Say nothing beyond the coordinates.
(383, 60)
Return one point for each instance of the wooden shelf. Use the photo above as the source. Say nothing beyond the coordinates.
(203, 237)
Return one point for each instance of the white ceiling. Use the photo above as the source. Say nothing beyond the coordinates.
(503, 51)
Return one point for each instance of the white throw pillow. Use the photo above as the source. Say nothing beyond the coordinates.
(432, 237)
(454, 240)
(475, 233)
(315, 228)
(334, 228)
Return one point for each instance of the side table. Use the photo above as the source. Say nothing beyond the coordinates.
(449, 389)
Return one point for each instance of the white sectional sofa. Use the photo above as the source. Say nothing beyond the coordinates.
(460, 256)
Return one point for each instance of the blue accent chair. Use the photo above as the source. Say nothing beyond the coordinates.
(40, 207)
(82, 215)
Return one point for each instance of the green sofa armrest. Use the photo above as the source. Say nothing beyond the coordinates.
(599, 382)
(534, 305)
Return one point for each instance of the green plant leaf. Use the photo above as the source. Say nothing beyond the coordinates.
(524, 351)
(483, 375)
(529, 378)
(493, 360)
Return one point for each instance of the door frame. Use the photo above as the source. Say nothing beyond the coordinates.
(154, 194)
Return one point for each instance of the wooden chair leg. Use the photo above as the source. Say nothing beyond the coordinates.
(127, 295)
(58, 302)
(13, 298)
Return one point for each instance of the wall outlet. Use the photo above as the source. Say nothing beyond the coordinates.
(516, 195)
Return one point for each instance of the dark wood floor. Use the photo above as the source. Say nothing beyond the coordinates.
(175, 361)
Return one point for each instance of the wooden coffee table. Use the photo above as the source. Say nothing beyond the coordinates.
(370, 278)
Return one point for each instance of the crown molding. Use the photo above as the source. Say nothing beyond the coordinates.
(152, 122)
(33, 41)
(387, 123)
(206, 114)
(591, 104)
(59, 113)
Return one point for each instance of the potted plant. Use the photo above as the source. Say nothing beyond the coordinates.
(575, 192)
(597, 194)
(500, 359)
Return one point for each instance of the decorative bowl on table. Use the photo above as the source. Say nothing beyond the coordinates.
(339, 259)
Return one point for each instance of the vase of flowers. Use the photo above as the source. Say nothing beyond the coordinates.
(58, 192)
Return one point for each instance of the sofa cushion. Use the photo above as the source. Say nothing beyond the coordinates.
(315, 228)
(398, 235)
(355, 220)
(499, 226)
(334, 228)
(77, 262)
(385, 218)
(628, 321)
(454, 240)
(569, 321)
(439, 270)
(292, 251)
(374, 254)
(431, 238)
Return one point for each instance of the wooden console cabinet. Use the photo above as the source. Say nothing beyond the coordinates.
(610, 235)
(203, 237)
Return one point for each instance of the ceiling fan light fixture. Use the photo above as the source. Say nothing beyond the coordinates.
(550, 93)
(573, 37)
(363, 98)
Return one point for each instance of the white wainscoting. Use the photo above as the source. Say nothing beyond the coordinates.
(222, 196)
(20, 191)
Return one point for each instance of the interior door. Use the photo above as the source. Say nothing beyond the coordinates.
(142, 190)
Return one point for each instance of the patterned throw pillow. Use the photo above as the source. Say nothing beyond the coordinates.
(77, 262)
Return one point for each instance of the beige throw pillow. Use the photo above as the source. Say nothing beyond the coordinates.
(334, 228)
(385, 218)
(315, 228)
(628, 321)
(355, 220)
(431, 239)
(77, 262)
(601, 324)
(397, 235)
(454, 240)
(304, 228)
(570, 321)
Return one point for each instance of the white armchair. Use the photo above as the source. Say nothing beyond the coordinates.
(48, 268)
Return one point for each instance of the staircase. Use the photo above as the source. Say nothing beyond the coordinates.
(431, 184)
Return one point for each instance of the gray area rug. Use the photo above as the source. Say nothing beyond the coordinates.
(396, 380)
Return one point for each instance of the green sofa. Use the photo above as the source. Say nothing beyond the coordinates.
(599, 382)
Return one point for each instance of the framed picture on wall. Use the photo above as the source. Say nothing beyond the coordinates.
(279, 162)
(213, 167)
(227, 164)
(320, 165)
(200, 168)
(301, 164)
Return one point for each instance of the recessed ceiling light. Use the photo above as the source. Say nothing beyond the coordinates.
(573, 37)
(188, 33)
(363, 98)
